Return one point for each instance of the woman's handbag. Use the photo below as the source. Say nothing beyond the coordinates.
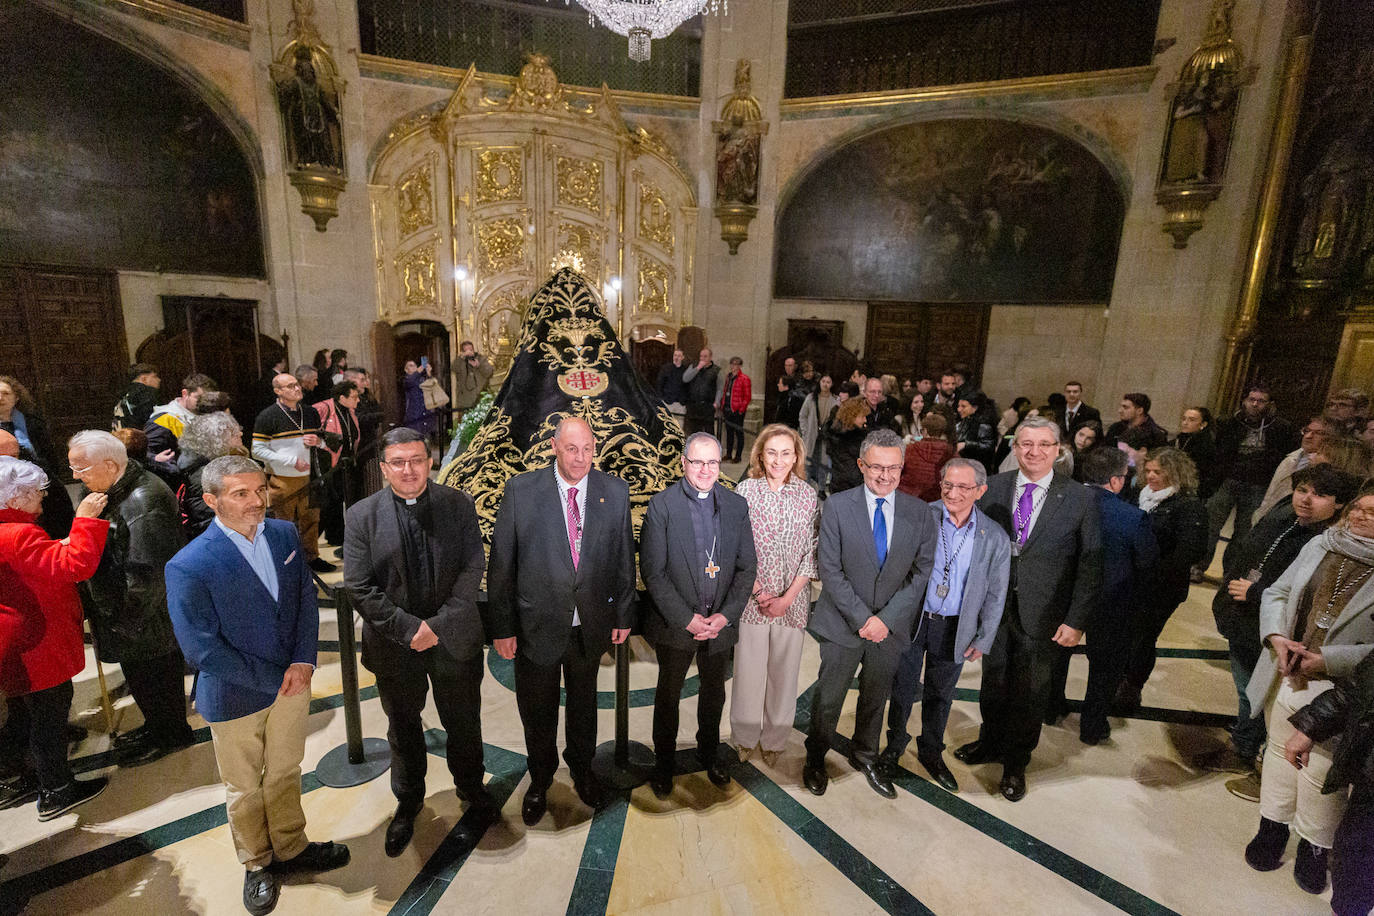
(435, 396)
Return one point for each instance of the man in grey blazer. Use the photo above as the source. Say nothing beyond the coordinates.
(1056, 577)
(961, 609)
(413, 564)
(696, 553)
(877, 546)
(561, 585)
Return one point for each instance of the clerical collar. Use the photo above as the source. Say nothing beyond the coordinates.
(423, 497)
(693, 491)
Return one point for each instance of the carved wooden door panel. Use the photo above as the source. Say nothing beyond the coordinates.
(73, 328)
(906, 338)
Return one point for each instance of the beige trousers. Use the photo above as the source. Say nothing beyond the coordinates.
(259, 759)
(1291, 796)
(290, 498)
(763, 699)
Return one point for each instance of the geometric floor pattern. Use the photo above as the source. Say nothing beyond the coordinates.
(1126, 826)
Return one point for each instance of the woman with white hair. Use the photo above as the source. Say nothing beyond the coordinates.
(205, 438)
(41, 647)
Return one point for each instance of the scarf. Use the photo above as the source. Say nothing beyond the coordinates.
(20, 428)
(1348, 544)
(1150, 499)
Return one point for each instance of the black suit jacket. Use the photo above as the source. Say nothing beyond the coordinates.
(1058, 576)
(1085, 413)
(375, 575)
(671, 569)
(532, 587)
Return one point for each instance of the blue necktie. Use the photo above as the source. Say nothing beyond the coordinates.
(880, 532)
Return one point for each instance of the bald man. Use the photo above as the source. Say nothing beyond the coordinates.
(284, 435)
(561, 581)
(57, 515)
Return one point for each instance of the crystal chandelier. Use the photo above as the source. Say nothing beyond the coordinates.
(641, 20)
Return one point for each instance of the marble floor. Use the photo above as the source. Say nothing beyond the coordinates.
(1124, 826)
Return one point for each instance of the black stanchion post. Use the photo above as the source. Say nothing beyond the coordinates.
(357, 760)
(622, 763)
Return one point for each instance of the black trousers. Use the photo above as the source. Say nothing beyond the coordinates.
(698, 424)
(1149, 623)
(734, 433)
(35, 737)
(672, 673)
(1352, 856)
(1109, 649)
(158, 686)
(1017, 679)
(933, 649)
(458, 697)
(536, 694)
(879, 663)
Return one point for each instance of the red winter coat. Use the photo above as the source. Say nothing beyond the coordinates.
(40, 611)
(921, 468)
(739, 395)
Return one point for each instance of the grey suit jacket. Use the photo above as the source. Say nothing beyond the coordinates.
(1058, 576)
(985, 591)
(668, 562)
(1348, 641)
(853, 587)
(375, 574)
(532, 587)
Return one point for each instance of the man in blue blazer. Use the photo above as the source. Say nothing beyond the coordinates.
(960, 612)
(244, 611)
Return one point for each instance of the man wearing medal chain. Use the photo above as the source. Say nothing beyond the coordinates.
(283, 435)
(961, 610)
(1056, 578)
(698, 561)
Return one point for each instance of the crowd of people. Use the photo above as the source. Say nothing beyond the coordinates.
(940, 531)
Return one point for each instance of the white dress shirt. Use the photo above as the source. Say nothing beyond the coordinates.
(1038, 499)
(581, 499)
(871, 501)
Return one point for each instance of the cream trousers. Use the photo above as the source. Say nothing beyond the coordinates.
(763, 698)
(1294, 797)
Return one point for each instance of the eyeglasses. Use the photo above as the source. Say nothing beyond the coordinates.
(883, 468)
(287, 387)
(947, 487)
(400, 464)
(78, 471)
(698, 464)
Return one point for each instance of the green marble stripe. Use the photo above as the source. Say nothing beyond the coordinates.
(1083, 875)
(880, 887)
(591, 893)
(125, 850)
(423, 893)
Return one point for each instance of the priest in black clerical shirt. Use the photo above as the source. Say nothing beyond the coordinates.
(413, 562)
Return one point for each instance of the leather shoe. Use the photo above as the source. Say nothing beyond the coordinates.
(589, 790)
(260, 891)
(815, 778)
(662, 784)
(877, 780)
(317, 857)
(717, 774)
(533, 807)
(1013, 785)
(935, 766)
(399, 832)
(974, 753)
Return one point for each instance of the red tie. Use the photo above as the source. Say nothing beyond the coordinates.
(574, 524)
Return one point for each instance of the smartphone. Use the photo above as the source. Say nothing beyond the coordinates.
(424, 362)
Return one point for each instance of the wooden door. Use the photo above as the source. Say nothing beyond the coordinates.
(906, 338)
(63, 338)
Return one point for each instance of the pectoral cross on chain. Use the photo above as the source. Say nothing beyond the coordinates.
(712, 568)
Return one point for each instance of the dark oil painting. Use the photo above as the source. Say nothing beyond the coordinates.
(974, 210)
(106, 160)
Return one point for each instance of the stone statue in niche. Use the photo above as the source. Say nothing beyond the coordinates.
(738, 142)
(310, 111)
(1335, 234)
(1200, 132)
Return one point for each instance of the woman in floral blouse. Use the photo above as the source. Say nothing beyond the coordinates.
(784, 512)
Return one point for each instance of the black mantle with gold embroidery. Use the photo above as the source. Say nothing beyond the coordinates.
(569, 363)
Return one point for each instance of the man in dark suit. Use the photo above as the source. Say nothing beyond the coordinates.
(1129, 553)
(960, 612)
(413, 564)
(1075, 411)
(1056, 578)
(877, 546)
(562, 587)
(243, 607)
(697, 558)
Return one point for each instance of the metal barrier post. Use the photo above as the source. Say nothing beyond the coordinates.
(622, 763)
(359, 759)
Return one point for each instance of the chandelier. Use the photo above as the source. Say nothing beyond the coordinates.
(641, 20)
